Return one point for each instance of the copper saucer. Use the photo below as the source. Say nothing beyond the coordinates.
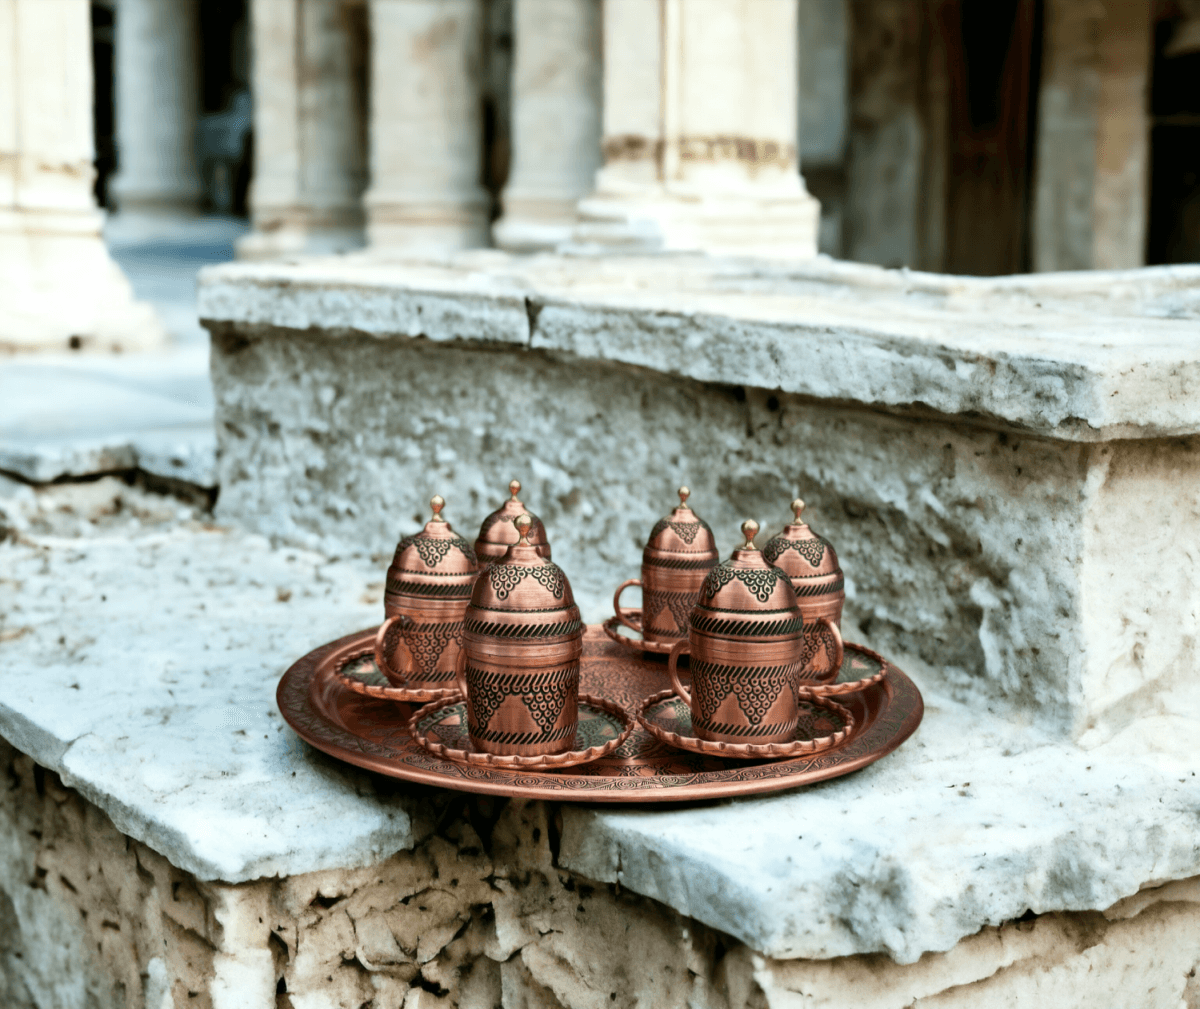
(441, 728)
(372, 733)
(612, 624)
(356, 669)
(823, 725)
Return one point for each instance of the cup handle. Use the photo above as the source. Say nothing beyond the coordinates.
(840, 651)
(381, 659)
(460, 672)
(617, 604)
(677, 649)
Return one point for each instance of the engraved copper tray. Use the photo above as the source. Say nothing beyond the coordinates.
(371, 733)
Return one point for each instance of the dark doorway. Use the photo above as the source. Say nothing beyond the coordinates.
(993, 57)
(1173, 234)
(103, 112)
(224, 139)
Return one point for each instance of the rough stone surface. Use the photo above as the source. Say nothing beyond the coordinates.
(481, 915)
(971, 823)
(163, 659)
(1074, 356)
(999, 558)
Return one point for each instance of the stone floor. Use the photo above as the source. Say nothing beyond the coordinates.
(72, 415)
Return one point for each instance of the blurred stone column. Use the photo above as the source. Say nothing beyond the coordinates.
(700, 131)
(556, 121)
(309, 127)
(426, 127)
(58, 286)
(157, 104)
(1093, 129)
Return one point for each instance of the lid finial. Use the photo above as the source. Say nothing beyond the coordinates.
(523, 522)
(684, 494)
(749, 530)
(797, 509)
(514, 488)
(437, 503)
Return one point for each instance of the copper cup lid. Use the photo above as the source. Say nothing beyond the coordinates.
(682, 532)
(746, 583)
(524, 595)
(436, 551)
(799, 551)
(498, 532)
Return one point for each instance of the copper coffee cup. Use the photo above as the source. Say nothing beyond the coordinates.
(745, 639)
(811, 564)
(679, 554)
(519, 667)
(427, 591)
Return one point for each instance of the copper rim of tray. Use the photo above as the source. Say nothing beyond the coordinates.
(749, 751)
(637, 644)
(571, 758)
(405, 695)
(363, 731)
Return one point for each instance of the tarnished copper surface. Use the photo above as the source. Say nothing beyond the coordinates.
(519, 667)
(442, 729)
(744, 639)
(811, 565)
(498, 531)
(428, 587)
(373, 734)
(668, 718)
(677, 558)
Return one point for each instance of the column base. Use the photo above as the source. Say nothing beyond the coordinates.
(781, 228)
(535, 225)
(427, 227)
(276, 237)
(61, 289)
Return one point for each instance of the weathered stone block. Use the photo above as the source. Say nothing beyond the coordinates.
(1011, 512)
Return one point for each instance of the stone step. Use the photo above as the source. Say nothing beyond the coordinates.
(1005, 466)
(139, 656)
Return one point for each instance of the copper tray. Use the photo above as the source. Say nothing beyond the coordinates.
(371, 733)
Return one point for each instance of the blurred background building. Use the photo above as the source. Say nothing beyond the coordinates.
(943, 135)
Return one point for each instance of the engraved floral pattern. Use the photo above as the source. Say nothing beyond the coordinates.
(812, 550)
(434, 550)
(760, 581)
(506, 577)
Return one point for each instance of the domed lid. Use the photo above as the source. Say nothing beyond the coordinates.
(747, 586)
(432, 557)
(498, 533)
(799, 551)
(523, 581)
(683, 533)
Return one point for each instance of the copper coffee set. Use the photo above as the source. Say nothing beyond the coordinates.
(495, 623)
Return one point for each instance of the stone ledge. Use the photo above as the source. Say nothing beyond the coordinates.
(1065, 356)
(970, 823)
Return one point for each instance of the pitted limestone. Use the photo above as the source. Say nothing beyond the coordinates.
(960, 828)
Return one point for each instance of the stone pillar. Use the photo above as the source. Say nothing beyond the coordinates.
(157, 103)
(58, 286)
(309, 127)
(426, 145)
(556, 121)
(700, 131)
(1093, 136)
